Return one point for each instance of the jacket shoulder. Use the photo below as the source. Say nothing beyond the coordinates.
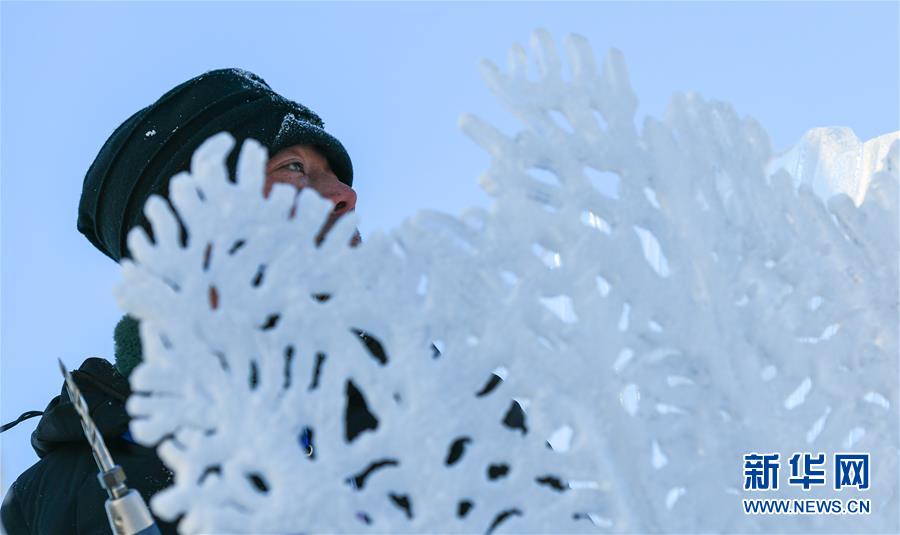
(11, 515)
(43, 499)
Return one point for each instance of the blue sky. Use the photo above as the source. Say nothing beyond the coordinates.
(390, 80)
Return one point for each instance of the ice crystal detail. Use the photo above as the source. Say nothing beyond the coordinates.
(637, 310)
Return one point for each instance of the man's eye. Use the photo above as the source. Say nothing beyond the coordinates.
(296, 166)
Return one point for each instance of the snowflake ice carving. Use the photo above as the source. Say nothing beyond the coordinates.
(647, 295)
(255, 354)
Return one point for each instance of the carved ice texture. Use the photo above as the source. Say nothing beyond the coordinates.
(833, 160)
(656, 305)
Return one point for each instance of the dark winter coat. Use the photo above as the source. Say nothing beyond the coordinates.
(60, 494)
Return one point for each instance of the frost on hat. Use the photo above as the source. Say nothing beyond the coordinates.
(157, 142)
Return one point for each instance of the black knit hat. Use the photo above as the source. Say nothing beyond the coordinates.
(157, 142)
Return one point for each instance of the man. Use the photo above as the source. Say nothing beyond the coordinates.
(60, 493)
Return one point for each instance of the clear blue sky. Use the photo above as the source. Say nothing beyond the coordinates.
(390, 80)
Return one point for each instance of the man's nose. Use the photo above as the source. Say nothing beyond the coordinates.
(342, 195)
(344, 200)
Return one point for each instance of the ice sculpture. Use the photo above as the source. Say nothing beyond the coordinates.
(834, 160)
(656, 306)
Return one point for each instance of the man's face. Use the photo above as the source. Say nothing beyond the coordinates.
(303, 166)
